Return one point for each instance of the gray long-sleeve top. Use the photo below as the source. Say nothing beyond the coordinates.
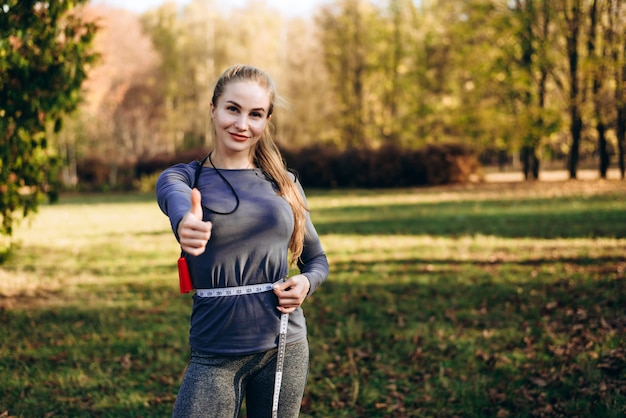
(248, 246)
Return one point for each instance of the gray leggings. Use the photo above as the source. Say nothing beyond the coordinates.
(215, 385)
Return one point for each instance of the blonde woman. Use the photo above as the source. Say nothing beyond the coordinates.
(241, 219)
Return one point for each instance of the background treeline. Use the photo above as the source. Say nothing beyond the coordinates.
(377, 93)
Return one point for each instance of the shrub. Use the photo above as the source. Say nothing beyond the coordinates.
(318, 166)
(386, 167)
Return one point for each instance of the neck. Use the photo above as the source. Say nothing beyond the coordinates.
(216, 160)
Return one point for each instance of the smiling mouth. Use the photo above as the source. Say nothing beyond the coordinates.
(238, 136)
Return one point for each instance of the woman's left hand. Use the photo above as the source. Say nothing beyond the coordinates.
(291, 293)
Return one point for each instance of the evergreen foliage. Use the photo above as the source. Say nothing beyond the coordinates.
(44, 56)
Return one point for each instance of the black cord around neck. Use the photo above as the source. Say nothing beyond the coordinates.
(230, 186)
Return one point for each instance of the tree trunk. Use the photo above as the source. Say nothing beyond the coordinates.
(530, 138)
(619, 56)
(602, 151)
(530, 163)
(576, 132)
(598, 74)
(535, 166)
(574, 26)
(621, 137)
(525, 157)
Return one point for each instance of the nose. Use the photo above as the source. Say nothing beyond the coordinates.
(241, 123)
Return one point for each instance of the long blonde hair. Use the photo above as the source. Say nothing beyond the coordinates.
(266, 154)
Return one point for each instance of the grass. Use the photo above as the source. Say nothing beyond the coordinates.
(490, 300)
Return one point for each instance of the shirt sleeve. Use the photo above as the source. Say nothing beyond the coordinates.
(173, 192)
(313, 262)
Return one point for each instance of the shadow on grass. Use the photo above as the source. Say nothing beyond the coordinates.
(419, 265)
(438, 346)
(603, 216)
(105, 355)
(427, 344)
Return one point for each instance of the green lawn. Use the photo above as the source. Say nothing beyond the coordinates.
(491, 300)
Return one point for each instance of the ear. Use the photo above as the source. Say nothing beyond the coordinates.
(212, 111)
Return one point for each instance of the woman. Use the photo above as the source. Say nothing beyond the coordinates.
(241, 220)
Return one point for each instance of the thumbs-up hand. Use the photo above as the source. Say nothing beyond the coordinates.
(193, 233)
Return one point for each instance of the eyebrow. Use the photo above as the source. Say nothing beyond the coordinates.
(258, 109)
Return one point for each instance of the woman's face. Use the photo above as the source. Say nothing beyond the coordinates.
(240, 115)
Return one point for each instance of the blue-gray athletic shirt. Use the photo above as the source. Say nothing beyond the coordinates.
(248, 246)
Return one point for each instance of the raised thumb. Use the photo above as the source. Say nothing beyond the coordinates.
(196, 205)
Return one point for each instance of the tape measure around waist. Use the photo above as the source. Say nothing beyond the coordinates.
(282, 335)
(236, 290)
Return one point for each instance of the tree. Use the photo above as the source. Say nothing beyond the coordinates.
(488, 89)
(572, 14)
(397, 39)
(598, 56)
(348, 32)
(163, 27)
(114, 124)
(45, 50)
(617, 35)
(305, 86)
(534, 64)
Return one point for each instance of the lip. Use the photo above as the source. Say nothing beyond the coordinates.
(238, 137)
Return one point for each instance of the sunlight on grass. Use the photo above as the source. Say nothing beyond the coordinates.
(73, 245)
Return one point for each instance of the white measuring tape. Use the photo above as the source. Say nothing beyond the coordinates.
(282, 335)
(235, 291)
(280, 361)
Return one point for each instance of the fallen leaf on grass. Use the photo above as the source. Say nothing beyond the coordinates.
(59, 357)
(503, 413)
(495, 396)
(125, 361)
(167, 398)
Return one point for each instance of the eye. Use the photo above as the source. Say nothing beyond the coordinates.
(232, 108)
(256, 115)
